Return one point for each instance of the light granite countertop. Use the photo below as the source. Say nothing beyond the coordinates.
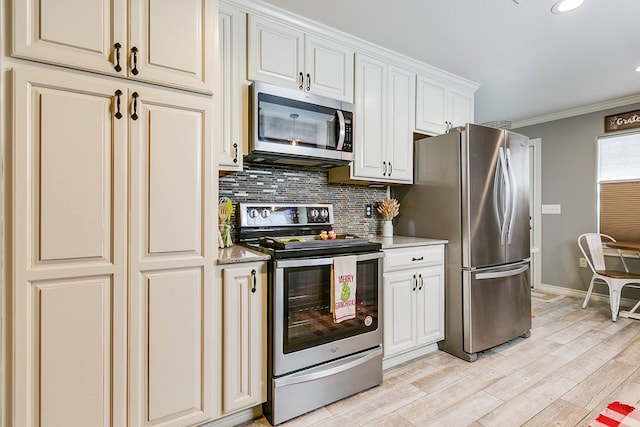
(405, 241)
(238, 253)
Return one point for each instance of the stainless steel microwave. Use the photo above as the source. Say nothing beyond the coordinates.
(291, 126)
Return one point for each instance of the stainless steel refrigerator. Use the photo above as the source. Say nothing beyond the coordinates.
(471, 187)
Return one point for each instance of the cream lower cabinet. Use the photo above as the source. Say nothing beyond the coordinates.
(112, 264)
(244, 319)
(171, 259)
(413, 300)
(68, 252)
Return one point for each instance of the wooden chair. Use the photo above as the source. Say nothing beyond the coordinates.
(591, 246)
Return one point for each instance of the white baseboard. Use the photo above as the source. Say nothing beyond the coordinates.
(398, 359)
(559, 290)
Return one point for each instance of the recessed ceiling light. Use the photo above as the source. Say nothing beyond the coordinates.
(565, 5)
(638, 69)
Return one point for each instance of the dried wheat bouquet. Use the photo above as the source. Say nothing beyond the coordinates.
(389, 208)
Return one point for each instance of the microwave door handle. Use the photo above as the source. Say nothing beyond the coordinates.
(342, 131)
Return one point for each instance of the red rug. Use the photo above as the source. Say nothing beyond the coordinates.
(617, 415)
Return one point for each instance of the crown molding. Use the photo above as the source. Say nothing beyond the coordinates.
(592, 108)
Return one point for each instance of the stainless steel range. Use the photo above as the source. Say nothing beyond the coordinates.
(312, 359)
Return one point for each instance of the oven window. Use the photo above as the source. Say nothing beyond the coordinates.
(307, 315)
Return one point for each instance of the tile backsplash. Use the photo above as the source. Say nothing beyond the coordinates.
(280, 184)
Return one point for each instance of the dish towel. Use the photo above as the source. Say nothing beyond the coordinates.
(343, 292)
(617, 414)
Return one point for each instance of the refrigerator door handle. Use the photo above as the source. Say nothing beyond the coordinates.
(500, 274)
(497, 187)
(514, 199)
(503, 168)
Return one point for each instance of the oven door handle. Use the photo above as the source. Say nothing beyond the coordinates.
(312, 262)
(321, 372)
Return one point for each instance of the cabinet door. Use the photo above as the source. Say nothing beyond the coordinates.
(245, 343)
(233, 95)
(176, 43)
(276, 53)
(170, 43)
(430, 305)
(431, 102)
(51, 31)
(400, 121)
(461, 108)
(399, 312)
(370, 117)
(67, 251)
(328, 68)
(171, 257)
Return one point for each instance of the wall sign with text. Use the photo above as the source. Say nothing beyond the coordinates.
(623, 121)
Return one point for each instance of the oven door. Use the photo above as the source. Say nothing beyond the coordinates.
(304, 333)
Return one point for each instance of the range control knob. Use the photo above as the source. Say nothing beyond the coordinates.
(324, 213)
(314, 213)
(253, 213)
(265, 213)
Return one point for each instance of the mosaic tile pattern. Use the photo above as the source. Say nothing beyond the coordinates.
(278, 184)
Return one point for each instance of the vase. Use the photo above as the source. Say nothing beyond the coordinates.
(387, 229)
(224, 239)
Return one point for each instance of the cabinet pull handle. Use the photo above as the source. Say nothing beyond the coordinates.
(117, 67)
(118, 113)
(384, 168)
(134, 70)
(308, 82)
(253, 277)
(301, 81)
(390, 169)
(135, 95)
(235, 149)
(421, 282)
(415, 282)
(417, 259)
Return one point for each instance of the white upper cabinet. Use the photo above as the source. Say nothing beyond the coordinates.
(232, 110)
(440, 106)
(164, 42)
(287, 56)
(383, 130)
(400, 108)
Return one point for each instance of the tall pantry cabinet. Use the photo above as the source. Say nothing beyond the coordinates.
(113, 193)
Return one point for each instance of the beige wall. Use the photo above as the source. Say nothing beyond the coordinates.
(569, 179)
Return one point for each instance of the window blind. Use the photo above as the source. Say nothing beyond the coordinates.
(619, 186)
(620, 210)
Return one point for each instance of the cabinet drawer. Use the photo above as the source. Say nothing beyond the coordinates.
(417, 256)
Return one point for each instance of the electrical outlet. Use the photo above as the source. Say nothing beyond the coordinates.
(368, 209)
(583, 262)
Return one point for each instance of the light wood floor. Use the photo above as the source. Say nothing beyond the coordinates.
(575, 362)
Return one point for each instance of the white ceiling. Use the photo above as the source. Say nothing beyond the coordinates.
(530, 63)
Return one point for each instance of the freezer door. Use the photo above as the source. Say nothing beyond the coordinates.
(483, 196)
(496, 305)
(518, 224)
